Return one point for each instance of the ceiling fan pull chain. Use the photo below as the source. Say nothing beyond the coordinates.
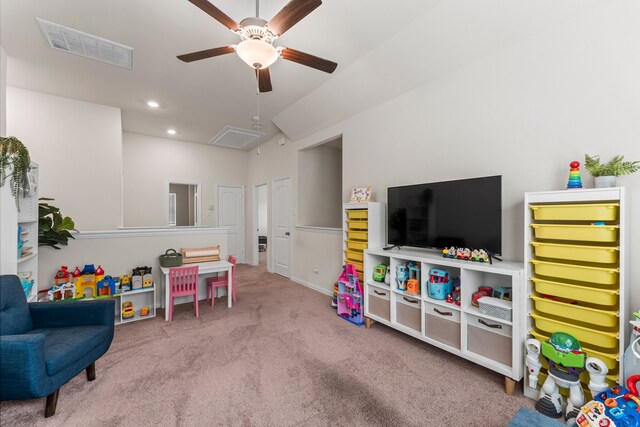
(257, 8)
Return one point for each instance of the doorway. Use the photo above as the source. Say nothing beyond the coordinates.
(184, 206)
(231, 216)
(281, 219)
(260, 225)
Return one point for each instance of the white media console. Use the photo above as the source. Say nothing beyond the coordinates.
(462, 330)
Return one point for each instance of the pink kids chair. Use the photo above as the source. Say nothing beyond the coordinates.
(221, 281)
(183, 281)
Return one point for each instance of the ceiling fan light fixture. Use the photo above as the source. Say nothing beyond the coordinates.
(257, 53)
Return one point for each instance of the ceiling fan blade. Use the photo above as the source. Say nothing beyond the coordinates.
(264, 80)
(291, 14)
(308, 60)
(216, 14)
(204, 54)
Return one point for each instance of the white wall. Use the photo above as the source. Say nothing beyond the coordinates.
(3, 92)
(78, 147)
(263, 213)
(150, 163)
(524, 113)
(320, 186)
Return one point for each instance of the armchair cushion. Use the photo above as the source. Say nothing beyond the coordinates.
(15, 318)
(63, 347)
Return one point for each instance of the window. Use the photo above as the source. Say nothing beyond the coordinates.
(183, 203)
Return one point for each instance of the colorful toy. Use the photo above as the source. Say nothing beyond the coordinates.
(479, 255)
(463, 254)
(483, 291)
(140, 274)
(387, 277)
(144, 311)
(147, 281)
(450, 252)
(439, 284)
(574, 176)
(566, 362)
(106, 287)
(61, 292)
(502, 293)
(379, 271)
(127, 310)
(86, 280)
(62, 276)
(456, 297)
(99, 273)
(125, 283)
(334, 300)
(350, 296)
(413, 283)
(617, 406)
(402, 275)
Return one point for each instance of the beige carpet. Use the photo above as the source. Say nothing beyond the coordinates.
(280, 357)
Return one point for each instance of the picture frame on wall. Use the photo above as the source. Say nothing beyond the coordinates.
(361, 194)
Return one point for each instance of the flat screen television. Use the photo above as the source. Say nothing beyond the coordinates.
(464, 213)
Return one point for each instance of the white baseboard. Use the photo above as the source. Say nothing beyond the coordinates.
(312, 286)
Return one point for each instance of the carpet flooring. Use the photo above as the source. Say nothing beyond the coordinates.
(280, 357)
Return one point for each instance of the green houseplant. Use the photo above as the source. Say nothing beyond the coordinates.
(14, 162)
(606, 174)
(53, 228)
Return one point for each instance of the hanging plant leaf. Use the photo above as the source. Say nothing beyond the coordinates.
(14, 162)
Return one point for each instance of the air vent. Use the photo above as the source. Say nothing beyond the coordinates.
(87, 45)
(240, 139)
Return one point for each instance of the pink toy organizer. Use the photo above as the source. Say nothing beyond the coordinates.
(350, 296)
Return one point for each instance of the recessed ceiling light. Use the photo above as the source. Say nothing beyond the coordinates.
(171, 131)
(153, 104)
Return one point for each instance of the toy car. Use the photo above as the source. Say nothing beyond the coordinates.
(127, 310)
(144, 311)
(379, 272)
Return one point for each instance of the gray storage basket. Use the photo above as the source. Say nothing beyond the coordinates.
(170, 258)
(495, 307)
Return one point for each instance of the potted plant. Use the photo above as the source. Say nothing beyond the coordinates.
(606, 175)
(14, 162)
(53, 228)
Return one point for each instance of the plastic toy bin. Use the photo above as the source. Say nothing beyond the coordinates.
(356, 245)
(443, 325)
(582, 233)
(357, 213)
(582, 273)
(352, 255)
(599, 254)
(587, 336)
(408, 312)
(599, 296)
(490, 339)
(597, 318)
(379, 304)
(357, 235)
(357, 225)
(576, 212)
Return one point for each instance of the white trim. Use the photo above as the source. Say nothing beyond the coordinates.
(312, 286)
(147, 232)
(241, 259)
(255, 255)
(291, 226)
(323, 230)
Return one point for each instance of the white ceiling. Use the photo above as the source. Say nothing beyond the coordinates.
(382, 48)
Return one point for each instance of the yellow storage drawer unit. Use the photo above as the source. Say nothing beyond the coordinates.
(576, 212)
(597, 318)
(355, 245)
(582, 233)
(599, 254)
(594, 295)
(357, 235)
(357, 225)
(351, 255)
(609, 359)
(357, 214)
(582, 273)
(603, 340)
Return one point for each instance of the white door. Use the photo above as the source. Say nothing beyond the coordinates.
(282, 227)
(231, 216)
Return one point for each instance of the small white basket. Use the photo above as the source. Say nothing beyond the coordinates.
(495, 307)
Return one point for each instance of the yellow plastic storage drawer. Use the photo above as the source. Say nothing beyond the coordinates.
(357, 264)
(357, 213)
(599, 254)
(592, 316)
(357, 235)
(609, 359)
(357, 225)
(599, 296)
(582, 233)
(355, 245)
(576, 212)
(586, 336)
(582, 273)
(354, 255)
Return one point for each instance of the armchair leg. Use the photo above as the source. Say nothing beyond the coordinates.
(52, 402)
(91, 372)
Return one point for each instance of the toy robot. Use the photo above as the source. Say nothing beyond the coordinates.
(402, 275)
(566, 361)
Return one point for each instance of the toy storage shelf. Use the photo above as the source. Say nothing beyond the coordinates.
(575, 254)
(139, 298)
(28, 224)
(462, 330)
(364, 226)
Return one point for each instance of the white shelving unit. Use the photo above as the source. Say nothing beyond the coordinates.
(139, 298)
(585, 230)
(462, 330)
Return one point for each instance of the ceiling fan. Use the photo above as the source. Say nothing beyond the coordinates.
(258, 35)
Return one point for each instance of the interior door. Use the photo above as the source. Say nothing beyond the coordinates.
(231, 216)
(282, 227)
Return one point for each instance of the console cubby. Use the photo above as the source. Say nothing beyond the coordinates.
(461, 330)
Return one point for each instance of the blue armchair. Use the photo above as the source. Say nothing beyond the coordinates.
(44, 345)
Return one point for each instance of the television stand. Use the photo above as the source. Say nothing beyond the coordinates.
(492, 342)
